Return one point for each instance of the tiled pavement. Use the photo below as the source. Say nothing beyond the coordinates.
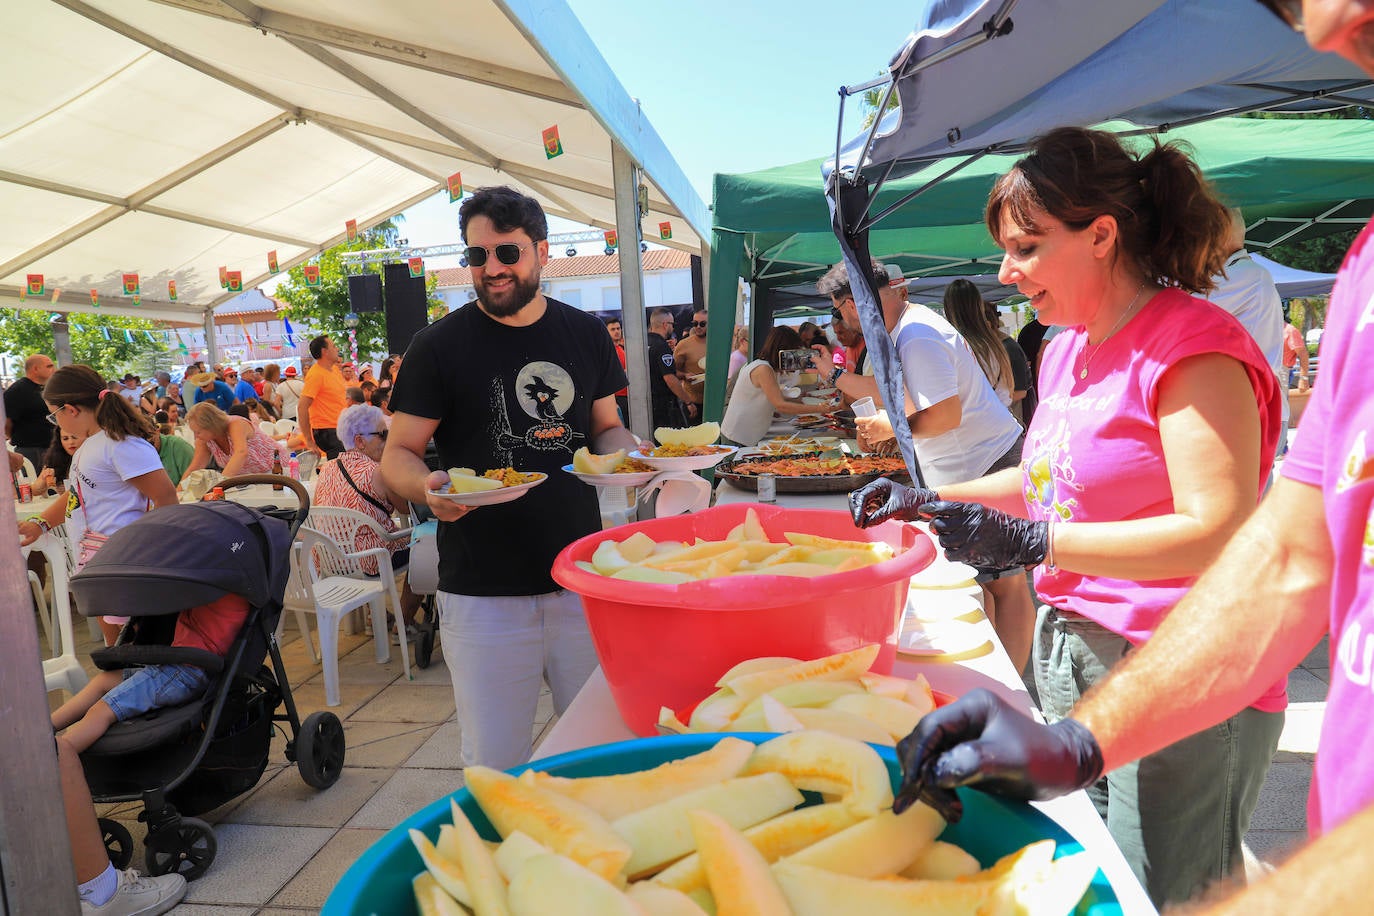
(283, 845)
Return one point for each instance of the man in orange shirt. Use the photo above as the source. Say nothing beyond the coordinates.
(321, 400)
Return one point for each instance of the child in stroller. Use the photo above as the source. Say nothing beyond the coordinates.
(117, 696)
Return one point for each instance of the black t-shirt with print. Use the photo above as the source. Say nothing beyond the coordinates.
(660, 365)
(518, 397)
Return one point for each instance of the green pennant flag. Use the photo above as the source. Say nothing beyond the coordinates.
(553, 144)
(272, 266)
(455, 186)
(312, 275)
(172, 290)
(235, 281)
(131, 287)
(35, 285)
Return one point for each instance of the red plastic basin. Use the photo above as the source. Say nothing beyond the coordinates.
(666, 645)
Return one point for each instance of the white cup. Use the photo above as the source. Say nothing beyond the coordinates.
(864, 407)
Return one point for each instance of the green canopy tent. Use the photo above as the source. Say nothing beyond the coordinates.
(1294, 179)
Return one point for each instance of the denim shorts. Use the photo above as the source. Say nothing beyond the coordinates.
(154, 687)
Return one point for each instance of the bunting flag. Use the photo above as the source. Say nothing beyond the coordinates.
(95, 298)
(665, 229)
(23, 292)
(128, 337)
(351, 230)
(417, 267)
(553, 146)
(290, 331)
(248, 339)
(136, 299)
(105, 332)
(235, 281)
(612, 239)
(131, 287)
(149, 335)
(172, 290)
(224, 277)
(272, 262)
(77, 327)
(36, 287)
(312, 275)
(455, 186)
(56, 294)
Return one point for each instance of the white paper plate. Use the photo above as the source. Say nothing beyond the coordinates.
(949, 639)
(632, 479)
(688, 463)
(492, 497)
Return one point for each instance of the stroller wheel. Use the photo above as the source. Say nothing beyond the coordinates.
(320, 749)
(119, 843)
(187, 848)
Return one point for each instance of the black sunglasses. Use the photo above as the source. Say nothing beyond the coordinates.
(1288, 11)
(507, 253)
(835, 315)
(698, 324)
(380, 435)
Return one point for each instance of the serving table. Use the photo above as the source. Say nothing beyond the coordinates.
(592, 718)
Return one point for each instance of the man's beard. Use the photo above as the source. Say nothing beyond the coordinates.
(511, 301)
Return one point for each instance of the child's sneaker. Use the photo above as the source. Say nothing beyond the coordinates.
(140, 895)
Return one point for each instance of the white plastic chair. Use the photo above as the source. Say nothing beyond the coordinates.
(299, 599)
(342, 527)
(337, 592)
(63, 670)
(27, 470)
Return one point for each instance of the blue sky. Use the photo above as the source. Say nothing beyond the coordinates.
(730, 85)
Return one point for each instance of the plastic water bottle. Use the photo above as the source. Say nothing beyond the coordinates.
(294, 467)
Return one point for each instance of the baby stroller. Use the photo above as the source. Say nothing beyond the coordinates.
(186, 760)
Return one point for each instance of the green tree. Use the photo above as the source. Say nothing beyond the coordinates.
(1323, 255)
(871, 99)
(27, 331)
(323, 308)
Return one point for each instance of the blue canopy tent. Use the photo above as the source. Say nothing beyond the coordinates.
(986, 76)
(1294, 282)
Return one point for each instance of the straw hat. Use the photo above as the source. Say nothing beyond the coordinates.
(201, 379)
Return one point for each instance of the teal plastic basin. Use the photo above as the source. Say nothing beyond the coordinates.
(378, 884)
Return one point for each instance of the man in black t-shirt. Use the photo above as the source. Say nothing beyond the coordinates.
(26, 423)
(511, 380)
(666, 392)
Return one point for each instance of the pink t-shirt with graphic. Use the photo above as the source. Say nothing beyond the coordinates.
(1334, 450)
(1093, 451)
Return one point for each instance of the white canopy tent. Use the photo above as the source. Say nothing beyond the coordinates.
(174, 138)
(1292, 281)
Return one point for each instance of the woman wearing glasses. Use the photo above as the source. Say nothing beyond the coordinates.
(116, 475)
(354, 481)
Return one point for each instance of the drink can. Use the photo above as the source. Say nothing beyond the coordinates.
(25, 492)
(217, 493)
(768, 488)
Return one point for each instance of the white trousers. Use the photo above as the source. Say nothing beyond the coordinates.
(499, 652)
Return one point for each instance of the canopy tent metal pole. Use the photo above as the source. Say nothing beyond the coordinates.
(722, 302)
(625, 177)
(36, 871)
(211, 346)
(62, 341)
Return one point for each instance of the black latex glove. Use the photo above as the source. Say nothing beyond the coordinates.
(882, 499)
(987, 538)
(983, 741)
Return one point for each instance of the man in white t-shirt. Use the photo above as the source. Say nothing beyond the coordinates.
(290, 388)
(1247, 291)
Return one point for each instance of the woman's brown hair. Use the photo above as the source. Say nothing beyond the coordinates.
(82, 386)
(271, 373)
(207, 416)
(964, 309)
(1169, 220)
(780, 338)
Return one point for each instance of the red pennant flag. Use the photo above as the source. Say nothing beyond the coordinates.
(131, 285)
(455, 186)
(351, 228)
(272, 262)
(172, 290)
(235, 281)
(553, 146)
(95, 298)
(137, 300)
(417, 267)
(36, 286)
(56, 294)
(665, 230)
(312, 275)
(224, 278)
(611, 237)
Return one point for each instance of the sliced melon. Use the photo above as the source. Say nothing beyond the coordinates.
(755, 665)
(817, 892)
(896, 717)
(432, 900)
(637, 547)
(942, 862)
(878, 846)
(844, 724)
(823, 762)
(844, 666)
(703, 434)
(739, 876)
(448, 873)
(465, 484)
(584, 462)
(657, 900)
(557, 884)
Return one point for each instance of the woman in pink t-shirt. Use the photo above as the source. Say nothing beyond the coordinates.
(1154, 434)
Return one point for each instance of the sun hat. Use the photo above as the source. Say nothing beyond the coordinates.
(201, 379)
(130, 377)
(289, 372)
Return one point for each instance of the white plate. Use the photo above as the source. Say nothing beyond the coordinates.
(952, 638)
(631, 479)
(687, 463)
(492, 497)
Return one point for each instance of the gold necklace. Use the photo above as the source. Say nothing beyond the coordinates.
(1087, 361)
